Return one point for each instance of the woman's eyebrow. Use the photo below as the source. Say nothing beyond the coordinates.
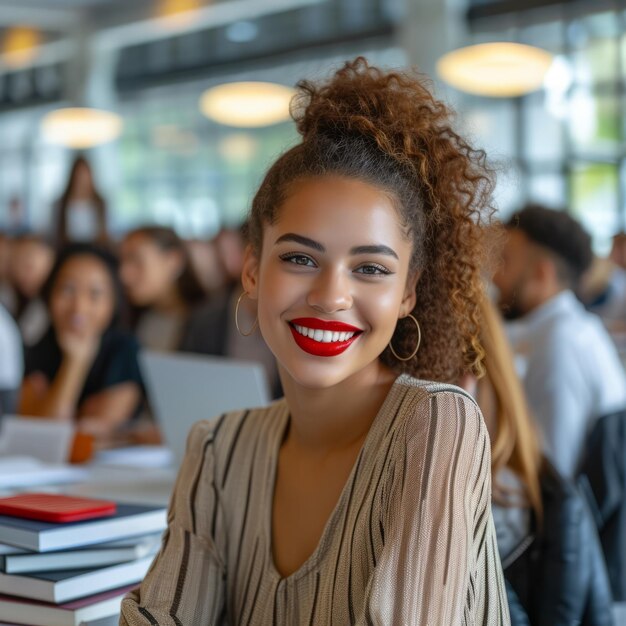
(311, 243)
(305, 241)
(373, 249)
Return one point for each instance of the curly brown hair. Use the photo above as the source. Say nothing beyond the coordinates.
(387, 129)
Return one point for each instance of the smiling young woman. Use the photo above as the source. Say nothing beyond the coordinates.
(363, 496)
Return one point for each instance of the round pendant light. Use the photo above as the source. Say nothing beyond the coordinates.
(81, 128)
(20, 46)
(247, 104)
(500, 70)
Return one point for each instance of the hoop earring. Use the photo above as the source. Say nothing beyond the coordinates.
(256, 321)
(417, 347)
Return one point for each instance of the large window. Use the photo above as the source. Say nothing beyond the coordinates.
(178, 168)
(564, 146)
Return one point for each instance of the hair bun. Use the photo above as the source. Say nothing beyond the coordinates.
(363, 100)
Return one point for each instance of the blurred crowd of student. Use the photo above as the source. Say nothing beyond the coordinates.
(77, 307)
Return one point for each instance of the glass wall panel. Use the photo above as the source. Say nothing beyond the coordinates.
(594, 200)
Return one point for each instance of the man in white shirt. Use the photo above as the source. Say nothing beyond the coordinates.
(573, 374)
(11, 361)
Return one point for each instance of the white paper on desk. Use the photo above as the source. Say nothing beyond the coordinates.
(42, 439)
(136, 456)
(19, 472)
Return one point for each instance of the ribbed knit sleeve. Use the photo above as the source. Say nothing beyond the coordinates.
(185, 583)
(440, 562)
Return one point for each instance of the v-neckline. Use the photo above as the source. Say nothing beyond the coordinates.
(324, 539)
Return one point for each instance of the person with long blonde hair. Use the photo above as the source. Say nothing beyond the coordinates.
(552, 562)
(500, 395)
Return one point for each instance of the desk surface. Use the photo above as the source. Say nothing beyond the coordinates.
(125, 484)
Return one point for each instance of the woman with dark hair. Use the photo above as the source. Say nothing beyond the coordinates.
(30, 262)
(161, 284)
(81, 210)
(85, 368)
(363, 496)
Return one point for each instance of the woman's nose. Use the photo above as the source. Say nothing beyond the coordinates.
(330, 292)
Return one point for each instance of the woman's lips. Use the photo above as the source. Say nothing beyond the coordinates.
(323, 337)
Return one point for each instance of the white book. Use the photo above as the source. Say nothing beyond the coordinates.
(75, 613)
(58, 587)
(128, 542)
(5, 548)
(129, 520)
(97, 556)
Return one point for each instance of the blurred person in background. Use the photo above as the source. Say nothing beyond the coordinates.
(85, 368)
(603, 291)
(206, 263)
(80, 212)
(618, 250)
(230, 245)
(11, 362)
(6, 291)
(212, 329)
(161, 284)
(31, 260)
(573, 374)
(16, 214)
(547, 541)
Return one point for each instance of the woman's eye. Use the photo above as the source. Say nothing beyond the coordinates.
(372, 270)
(298, 259)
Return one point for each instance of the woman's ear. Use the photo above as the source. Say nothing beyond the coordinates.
(250, 273)
(409, 299)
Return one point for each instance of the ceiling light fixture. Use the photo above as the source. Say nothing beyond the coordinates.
(177, 12)
(20, 46)
(81, 128)
(499, 70)
(247, 104)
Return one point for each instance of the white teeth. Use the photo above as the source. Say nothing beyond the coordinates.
(323, 336)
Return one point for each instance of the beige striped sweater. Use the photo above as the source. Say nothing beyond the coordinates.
(410, 542)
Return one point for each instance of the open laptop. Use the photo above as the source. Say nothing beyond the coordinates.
(185, 388)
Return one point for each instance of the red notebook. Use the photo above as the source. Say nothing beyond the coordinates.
(52, 507)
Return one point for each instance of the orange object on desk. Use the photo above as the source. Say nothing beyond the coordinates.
(82, 448)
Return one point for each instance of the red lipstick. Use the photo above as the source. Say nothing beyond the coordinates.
(320, 348)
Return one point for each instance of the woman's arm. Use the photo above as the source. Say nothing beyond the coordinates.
(440, 563)
(57, 399)
(103, 412)
(185, 583)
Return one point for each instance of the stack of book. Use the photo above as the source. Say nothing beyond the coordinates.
(68, 573)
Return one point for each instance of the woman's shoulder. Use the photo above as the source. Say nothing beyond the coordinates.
(229, 433)
(440, 417)
(116, 339)
(434, 397)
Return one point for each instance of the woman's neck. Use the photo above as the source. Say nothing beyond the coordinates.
(338, 416)
(81, 195)
(171, 303)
